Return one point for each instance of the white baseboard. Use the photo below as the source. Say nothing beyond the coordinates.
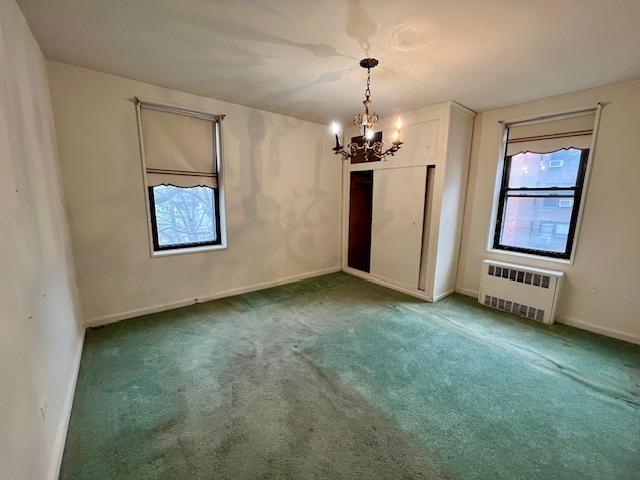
(61, 435)
(467, 292)
(574, 322)
(116, 317)
(378, 281)
(442, 295)
(609, 332)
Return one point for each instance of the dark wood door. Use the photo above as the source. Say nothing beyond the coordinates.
(360, 215)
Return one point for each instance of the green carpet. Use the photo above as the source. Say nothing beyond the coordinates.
(334, 377)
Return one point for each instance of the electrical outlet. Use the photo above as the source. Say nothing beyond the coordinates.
(43, 408)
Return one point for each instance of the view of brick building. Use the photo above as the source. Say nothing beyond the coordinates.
(540, 220)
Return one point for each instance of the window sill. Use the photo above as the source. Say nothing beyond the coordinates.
(185, 251)
(540, 258)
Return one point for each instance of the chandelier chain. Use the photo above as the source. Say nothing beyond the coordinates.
(367, 92)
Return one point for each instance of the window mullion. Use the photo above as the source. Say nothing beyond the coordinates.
(535, 189)
(541, 195)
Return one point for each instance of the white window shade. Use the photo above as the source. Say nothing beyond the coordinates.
(551, 135)
(179, 149)
(180, 179)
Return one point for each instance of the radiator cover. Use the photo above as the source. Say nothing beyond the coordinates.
(524, 291)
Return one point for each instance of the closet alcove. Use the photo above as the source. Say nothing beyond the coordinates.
(402, 217)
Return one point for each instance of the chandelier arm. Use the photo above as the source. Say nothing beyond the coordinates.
(391, 150)
(367, 122)
(375, 149)
(341, 151)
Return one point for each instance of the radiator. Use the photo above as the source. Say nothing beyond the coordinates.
(524, 291)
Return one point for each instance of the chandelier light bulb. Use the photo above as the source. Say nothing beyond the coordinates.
(367, 122)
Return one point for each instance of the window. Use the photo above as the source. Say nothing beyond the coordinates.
(556, 163)
(538, 206)
(181, 163)
(184, 216)
(541, 188)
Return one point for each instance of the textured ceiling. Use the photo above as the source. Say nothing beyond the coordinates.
(300, 58)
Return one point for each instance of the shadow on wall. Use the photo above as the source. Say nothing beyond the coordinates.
(324, 78)
(360, 26)
(227, 28)
(250, 185)
(289, 212)
(265, 8)
(227, 35)
(311, 219)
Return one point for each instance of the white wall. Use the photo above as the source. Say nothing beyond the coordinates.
(454, 182)
(40, 333)
(607, 258)
(282, 193)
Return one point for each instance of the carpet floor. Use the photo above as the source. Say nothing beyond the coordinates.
(337, 378)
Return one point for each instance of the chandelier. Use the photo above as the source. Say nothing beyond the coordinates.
(368, 122)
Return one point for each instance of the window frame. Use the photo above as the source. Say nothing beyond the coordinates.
(577, 189)
(216, 120)
(154, 225)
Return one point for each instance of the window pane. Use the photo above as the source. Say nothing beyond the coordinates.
(536, 223)
(534, 170)
(184, 215)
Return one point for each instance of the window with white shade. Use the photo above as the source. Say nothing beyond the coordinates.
(542, 182)
(181, 167)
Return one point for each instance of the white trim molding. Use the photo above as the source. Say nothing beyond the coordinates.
(61, 434)
(378, 281)
(467, 292)
(574, 322)
(443, 294)
(116, 317)
(607, 332)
